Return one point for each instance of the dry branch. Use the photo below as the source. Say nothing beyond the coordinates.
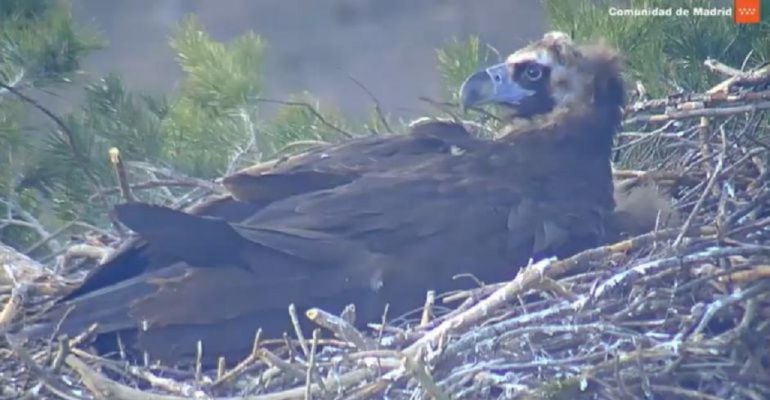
(341, 328)
(121, 175)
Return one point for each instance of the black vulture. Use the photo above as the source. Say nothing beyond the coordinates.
(371, 221)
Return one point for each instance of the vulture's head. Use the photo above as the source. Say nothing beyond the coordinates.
(549, 76)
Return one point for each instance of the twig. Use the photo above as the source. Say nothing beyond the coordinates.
(152, 184)
(198, 361)
(333, 385)
(52, 236)
(297, 143)
(121, 175)
(273, 360)
(167, 384)
(416, 367)
(13, 82)
(103, 232)
(651, 266)
(98, 253)
(83, 336)
(232, 165)
(697, 113)
(709, 186)
(29, 221)
(722, 69)
(340, 327)
(175, 176)
(103, 387)
(751, 78)
(311, 366)
(242, 366)
(682, 393)
(377, 105)
(561, 267)
(61, 354)
(443, 106)
(524, 280)
(427, 309)
(51, 382)
(298, 330)
(383, 323)
(754, 274)
(312, 110)
(349, 314)
(762, 287)
(698, 100)
(703, 137)
(13, 306)
(370, 391)
(221, 368)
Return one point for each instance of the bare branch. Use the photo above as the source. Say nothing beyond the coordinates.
(377, 105)
(312, 110)
(121, 175)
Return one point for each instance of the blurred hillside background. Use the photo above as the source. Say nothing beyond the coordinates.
(389, 46)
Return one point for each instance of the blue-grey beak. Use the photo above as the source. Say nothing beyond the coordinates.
(492, 85)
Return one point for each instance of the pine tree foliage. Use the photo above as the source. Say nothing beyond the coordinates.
(212, 125)
(40, 49)
(40, 44)
(221, 80)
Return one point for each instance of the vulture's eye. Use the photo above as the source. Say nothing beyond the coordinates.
(533, 72)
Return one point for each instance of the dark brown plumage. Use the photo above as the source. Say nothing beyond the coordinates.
(371, 221)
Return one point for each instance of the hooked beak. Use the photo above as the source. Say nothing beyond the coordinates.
(492, 85)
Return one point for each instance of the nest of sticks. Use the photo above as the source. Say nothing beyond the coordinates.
(680, 312)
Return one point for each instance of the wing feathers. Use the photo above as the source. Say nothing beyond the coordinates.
(271, 187)
(200, 241)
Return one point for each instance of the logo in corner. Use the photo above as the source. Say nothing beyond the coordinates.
(747, 11)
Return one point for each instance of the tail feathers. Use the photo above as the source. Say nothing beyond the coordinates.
(108, 307)
(197, 240)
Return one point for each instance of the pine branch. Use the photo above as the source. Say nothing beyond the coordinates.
(13, 83)
(81, 160)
